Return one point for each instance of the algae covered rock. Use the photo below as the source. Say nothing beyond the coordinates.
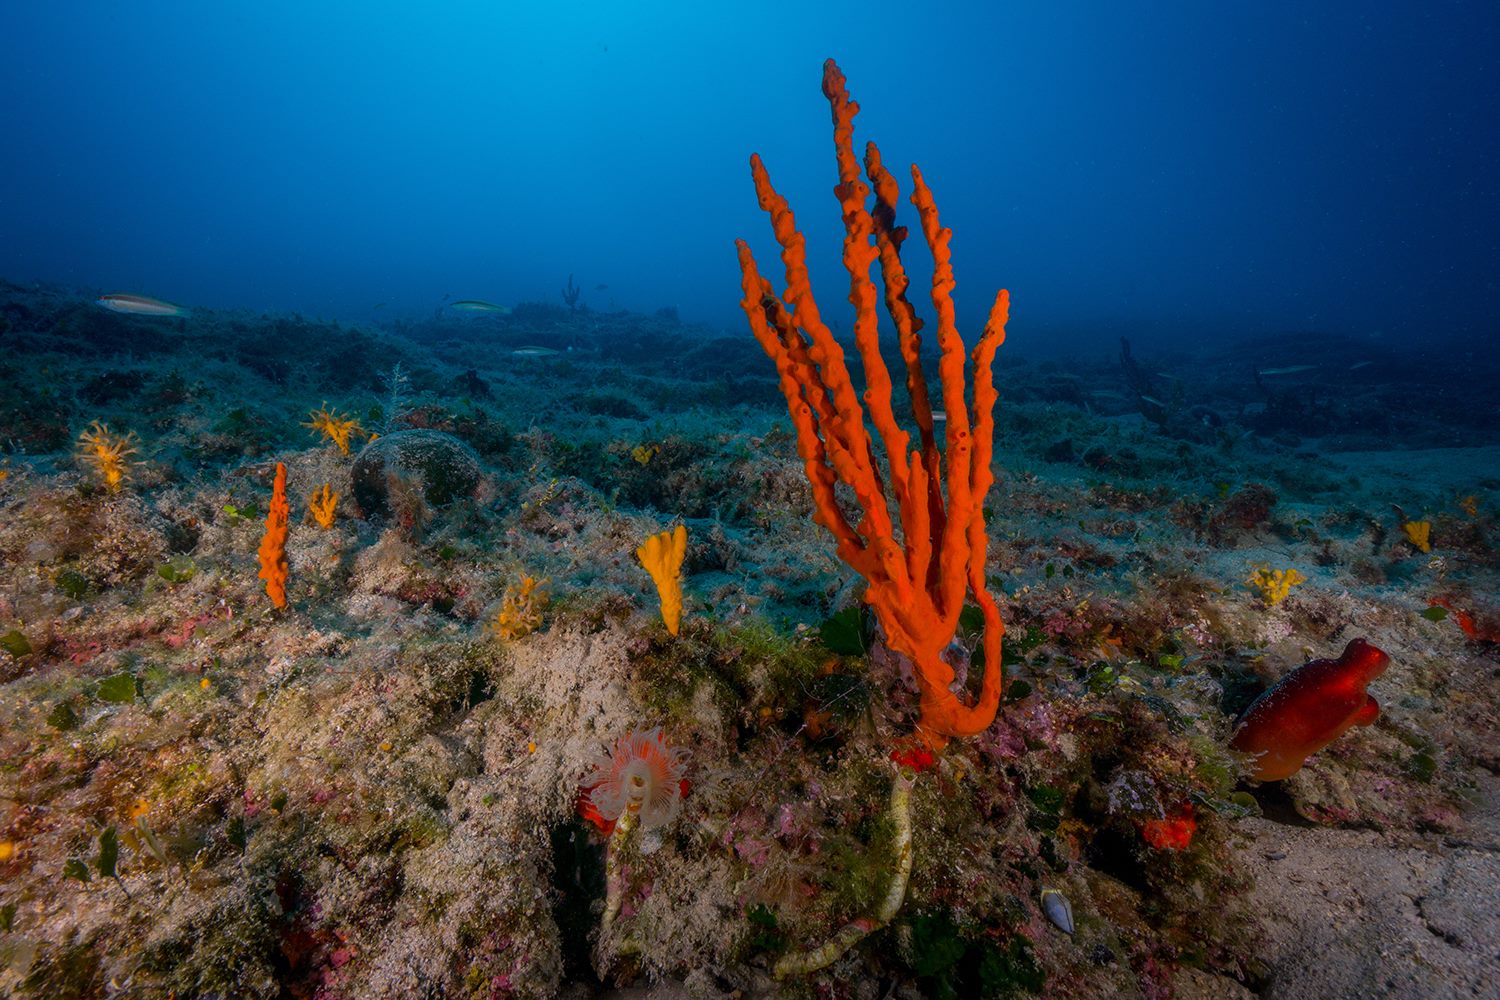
(438, 466)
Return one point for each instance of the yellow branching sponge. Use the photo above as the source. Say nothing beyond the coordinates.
(323, 503)
(521, 610)
(336, 427)
(273, 565)
(1419, 533)
(108, 453)
(1274, 585)
(662, 556)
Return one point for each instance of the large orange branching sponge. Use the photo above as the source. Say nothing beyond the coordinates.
(273, 565)
(1308, 709)
(920, 557)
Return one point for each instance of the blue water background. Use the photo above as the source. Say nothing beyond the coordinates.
(1171, 171)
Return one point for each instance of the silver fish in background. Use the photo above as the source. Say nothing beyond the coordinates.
(139, 305)
(534, 352)
(478, 306)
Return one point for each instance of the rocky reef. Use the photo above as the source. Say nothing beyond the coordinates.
(387, 788)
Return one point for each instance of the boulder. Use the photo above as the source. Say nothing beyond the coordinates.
(440, 465)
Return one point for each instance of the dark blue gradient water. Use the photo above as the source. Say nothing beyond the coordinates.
(1167, 171)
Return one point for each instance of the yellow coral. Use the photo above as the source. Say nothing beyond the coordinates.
(336, 427)
(644, 453)
(108, 453)
(521, 609)
(662, 555)
(1274, 585)
(1470, 505)
(322, 504)
(1419, 533)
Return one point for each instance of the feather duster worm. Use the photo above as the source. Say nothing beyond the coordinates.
(1308, 709)
(640, 775)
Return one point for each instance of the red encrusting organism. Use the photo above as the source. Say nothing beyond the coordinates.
(1466, 621)
(1308, 709)
(1173, 832)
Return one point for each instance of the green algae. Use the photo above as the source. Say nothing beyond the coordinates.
(14, 643)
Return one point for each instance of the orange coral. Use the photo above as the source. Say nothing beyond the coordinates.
(109, 453)
(273, 565)
(1308, 709)
(916, 585)
(336, 427)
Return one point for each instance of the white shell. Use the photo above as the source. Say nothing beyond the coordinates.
(1058, 909)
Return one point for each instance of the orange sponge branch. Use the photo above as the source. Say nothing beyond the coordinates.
(273, 564)
(924, 548)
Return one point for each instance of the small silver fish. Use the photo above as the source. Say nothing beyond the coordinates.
(479, 306)
(533, 352)
(139, 305)
(1292, 370)
(1359, 364)
(1058, 909)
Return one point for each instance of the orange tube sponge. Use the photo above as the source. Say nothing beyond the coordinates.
(273, 565)
(1308, 709)
(921, 554)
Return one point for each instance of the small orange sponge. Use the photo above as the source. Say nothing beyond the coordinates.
(1308, 709)
(273, 566)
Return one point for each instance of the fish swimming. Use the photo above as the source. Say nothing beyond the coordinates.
(479, 306)
(1308, 709)
(139, 305)
(534, 352)
(1293, 370)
